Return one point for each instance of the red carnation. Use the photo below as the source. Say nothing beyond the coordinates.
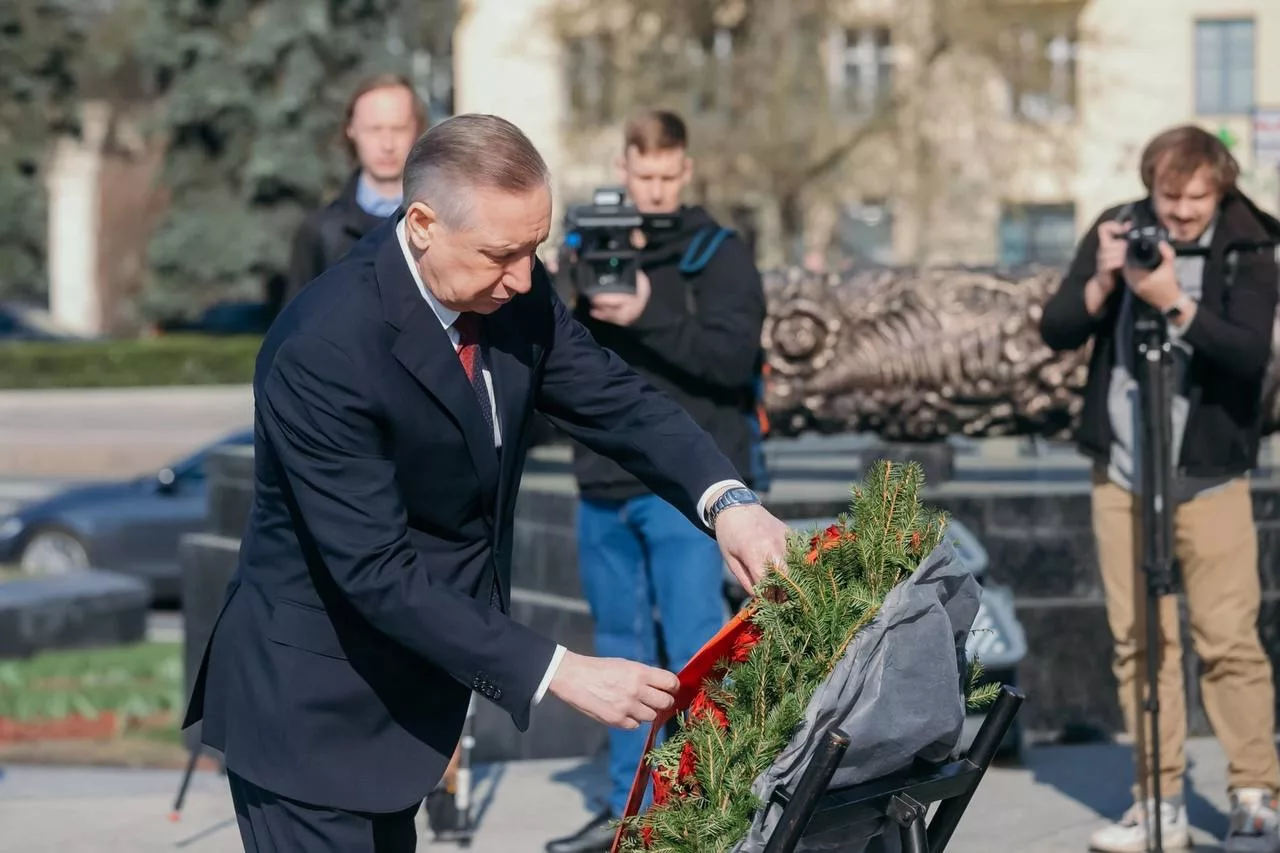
(703, 706)
(826, 540)
(661, 788)
(745, 642)
(688, 763)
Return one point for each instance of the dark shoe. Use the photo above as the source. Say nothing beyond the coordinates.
(595, 837)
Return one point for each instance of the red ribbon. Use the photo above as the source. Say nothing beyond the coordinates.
(732, 644)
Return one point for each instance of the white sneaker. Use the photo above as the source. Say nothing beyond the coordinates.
(1255, 826)
(1129, 834)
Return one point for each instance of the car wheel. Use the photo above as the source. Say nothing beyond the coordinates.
(53, 551)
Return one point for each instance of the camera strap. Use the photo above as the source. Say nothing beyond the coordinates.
(697, 256)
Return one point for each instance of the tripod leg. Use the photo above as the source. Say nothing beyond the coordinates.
(1155, 380)
(186, 781)
(1155, 818)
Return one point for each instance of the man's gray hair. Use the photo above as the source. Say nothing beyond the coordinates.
(468, 152)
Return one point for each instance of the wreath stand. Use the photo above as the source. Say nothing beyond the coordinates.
(901, 798)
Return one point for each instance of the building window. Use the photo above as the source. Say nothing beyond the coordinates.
(1042, 73)
(589, 73)
(1037, 234)
(861, 71)
(864, 233)
(1224, 67)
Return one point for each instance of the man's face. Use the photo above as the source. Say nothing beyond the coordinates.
(383, 128)
(655, 180)
(486, 260)
(1186, 209)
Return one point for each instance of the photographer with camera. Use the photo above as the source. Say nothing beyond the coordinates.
(1217, 292)
(681, 301)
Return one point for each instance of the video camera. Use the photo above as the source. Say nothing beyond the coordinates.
(597, 252)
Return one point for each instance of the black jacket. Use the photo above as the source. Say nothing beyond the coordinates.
(698, 340)
(326, 235)
(1230, 336)
(373, 584)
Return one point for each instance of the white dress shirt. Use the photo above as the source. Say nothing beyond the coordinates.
(447, 316)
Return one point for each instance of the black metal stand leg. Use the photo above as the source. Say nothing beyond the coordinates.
(981, 753)
(186, 782)
(798, 808)
(910, 814)
(914, 838)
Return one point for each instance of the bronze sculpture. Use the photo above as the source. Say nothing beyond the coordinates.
(922, 354)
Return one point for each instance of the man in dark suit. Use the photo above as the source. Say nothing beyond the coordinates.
(392, 401)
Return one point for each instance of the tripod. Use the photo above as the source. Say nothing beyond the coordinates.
(1155, 382)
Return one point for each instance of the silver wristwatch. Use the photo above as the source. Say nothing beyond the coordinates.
(736, 496)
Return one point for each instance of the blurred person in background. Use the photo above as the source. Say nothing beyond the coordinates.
(695, 337)
(384, 117)
(1220, 310)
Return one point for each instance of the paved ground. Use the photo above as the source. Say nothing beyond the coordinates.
(112, 432)
(1049, 806)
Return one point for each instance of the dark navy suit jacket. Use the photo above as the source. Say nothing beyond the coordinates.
(374, 575)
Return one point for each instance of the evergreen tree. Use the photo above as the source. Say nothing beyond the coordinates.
(252, 93)
(39, 43)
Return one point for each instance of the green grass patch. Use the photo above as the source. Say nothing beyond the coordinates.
(137, 682)
(173, 360)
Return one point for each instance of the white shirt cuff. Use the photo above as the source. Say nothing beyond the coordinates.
(713, 490)
(551, 673)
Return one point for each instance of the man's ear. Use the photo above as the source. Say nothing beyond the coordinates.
(621, 165)
(420, 225)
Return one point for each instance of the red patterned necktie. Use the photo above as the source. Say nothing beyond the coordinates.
(468, 328)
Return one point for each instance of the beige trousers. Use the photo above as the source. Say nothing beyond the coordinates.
(1216, 545)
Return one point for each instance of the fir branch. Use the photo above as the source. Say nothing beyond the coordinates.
(978, 695)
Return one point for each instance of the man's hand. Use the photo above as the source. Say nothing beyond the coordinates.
(750, 540)
(619, 693)
(1159, 287)
(1109, 260)
(622, 309)
(1111, 248)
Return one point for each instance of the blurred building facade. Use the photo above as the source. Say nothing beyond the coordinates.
(1001, 161)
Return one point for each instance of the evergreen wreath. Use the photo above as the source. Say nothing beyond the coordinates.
(801, 622)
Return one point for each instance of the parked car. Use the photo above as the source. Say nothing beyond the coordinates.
(130, 526)
(21, 322)
(224, 318)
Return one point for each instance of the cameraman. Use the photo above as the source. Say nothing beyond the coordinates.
(1220, 309)
(695, 337)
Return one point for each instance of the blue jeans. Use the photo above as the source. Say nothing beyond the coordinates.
(634, 555)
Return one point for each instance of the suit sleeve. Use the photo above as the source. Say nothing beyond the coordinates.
(719, 342)
(593, 395)
(1238, 341)
(325, 434)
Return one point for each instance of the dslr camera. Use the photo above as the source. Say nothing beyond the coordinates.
(1144, 238)
(597, 254)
